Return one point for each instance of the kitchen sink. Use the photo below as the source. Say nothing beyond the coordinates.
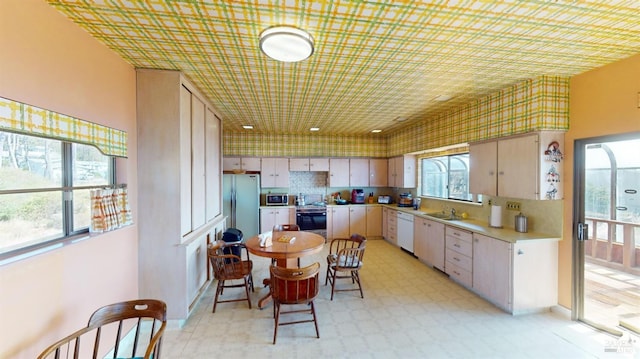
(444, 216)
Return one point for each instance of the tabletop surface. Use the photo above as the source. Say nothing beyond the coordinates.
(305, 243)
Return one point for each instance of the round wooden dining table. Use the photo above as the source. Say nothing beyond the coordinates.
(286, 252)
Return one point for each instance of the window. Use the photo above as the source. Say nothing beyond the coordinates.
(44, 189)
(445, 177)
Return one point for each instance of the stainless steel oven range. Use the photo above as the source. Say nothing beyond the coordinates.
(312, 217)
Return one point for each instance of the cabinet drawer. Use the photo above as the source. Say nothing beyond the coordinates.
(458, 259)
(461, 246)
(459, 274)
(458, 233)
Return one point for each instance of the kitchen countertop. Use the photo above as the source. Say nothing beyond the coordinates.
(481, 227)
(474, 225)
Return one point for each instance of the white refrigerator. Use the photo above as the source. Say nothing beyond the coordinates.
(241, 202)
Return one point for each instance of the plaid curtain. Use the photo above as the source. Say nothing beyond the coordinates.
(109, 209)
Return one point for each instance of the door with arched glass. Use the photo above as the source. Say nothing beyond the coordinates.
(607, 232)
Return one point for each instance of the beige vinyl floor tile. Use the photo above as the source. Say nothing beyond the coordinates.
(409, 311)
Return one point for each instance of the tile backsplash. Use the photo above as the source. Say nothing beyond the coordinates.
(308, 183)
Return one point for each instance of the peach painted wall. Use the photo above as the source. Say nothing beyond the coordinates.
(49, 62)
(603, 101)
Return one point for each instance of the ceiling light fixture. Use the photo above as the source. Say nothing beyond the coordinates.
(376, 131)
(400, 119)
(314, 129)
(247, 127)
(443, 98)
(286, 43)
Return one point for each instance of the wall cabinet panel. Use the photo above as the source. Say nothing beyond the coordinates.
(178, 188)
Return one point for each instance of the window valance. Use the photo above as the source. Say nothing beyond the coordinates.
(31, 120)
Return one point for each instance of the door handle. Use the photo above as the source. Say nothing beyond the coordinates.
(583, 231)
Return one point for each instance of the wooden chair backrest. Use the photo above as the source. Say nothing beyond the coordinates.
(286, 227)
(133, 327)
(294, 285)
(355, 241)
(227, 265)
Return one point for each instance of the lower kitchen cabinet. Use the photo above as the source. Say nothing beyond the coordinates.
(357, 220)
(392, 227)
(271, 216)
(518, 277)
(459, 255)
(338, 222)
(374, 221)
(429, 242)
(197, 264)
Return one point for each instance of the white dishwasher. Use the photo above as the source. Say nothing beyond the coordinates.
(405, 231)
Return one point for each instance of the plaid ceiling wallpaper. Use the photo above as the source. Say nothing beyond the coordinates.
(31, 120)
(374, 61)
(537, 104)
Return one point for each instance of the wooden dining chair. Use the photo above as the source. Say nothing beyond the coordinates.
(230, 268)
(294, 286)
(131, 329)
(345, 256)
(286, 227)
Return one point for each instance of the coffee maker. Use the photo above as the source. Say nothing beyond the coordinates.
(357, 196)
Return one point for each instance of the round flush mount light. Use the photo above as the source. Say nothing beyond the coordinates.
(286, 43)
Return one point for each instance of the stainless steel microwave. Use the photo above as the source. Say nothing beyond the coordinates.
(277, 199)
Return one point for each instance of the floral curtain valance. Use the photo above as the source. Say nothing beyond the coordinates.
(31, 120)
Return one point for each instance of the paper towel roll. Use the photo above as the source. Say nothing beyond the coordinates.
(495, 220)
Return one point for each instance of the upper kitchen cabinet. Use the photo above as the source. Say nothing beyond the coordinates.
(524, 167)
(179, 185)
(299, 164)
(402, 172)
(338, 172)
(320, 164)
(378, 169)
(359, 172)
(274, 172)
(241, 164)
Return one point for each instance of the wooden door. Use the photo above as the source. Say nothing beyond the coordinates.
(185, 161)
(338, 172)
(483, 162)
(374, 221)
(299, 164)
(358, 220)
(320, 164)
(518, 167)
(340, 222)
(378, 168)
(436, 244)
(420, 247)
(359, 172)
(198, 152)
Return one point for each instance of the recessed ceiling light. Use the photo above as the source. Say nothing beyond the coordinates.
(376, 131)
(400, 119)
(443, 98)
(314, 129)
(247, 127)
